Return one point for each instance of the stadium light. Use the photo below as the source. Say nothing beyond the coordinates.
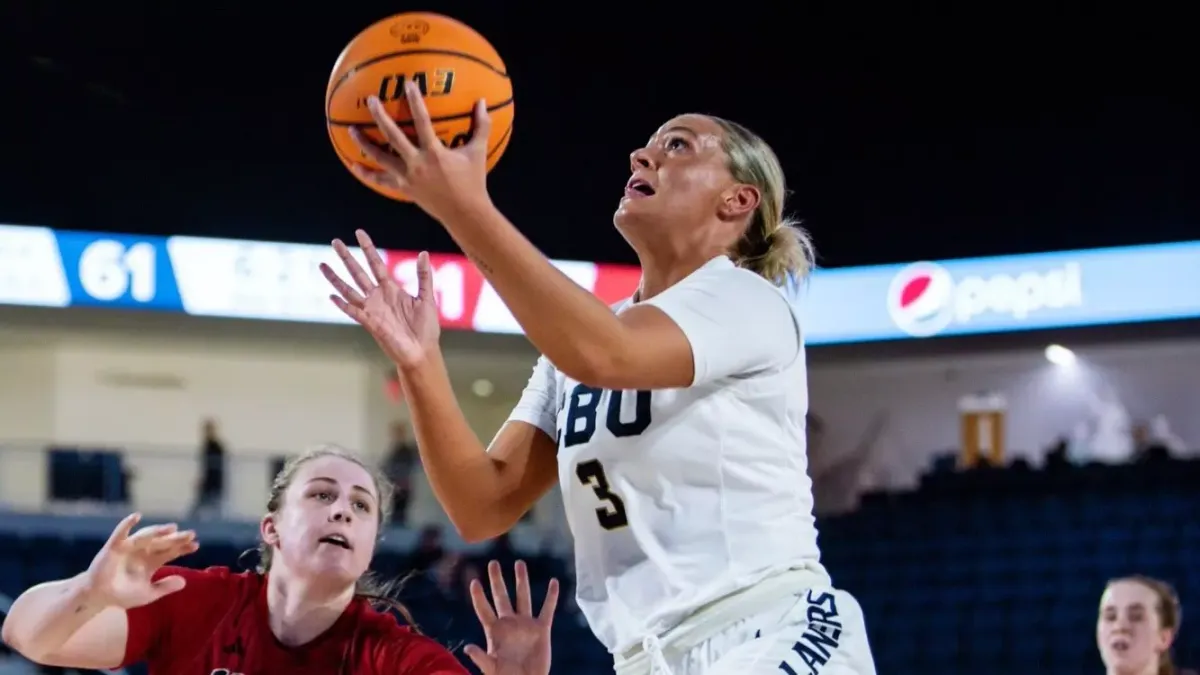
(1060, 356)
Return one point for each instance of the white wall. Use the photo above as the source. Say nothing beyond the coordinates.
(151, 397)
(155, 394)
(144, 383)
(26, 391)
(26, 416)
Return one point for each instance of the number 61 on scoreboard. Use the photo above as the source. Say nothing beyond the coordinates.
(118, 271)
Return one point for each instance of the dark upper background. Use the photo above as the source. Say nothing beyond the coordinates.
(902, 137)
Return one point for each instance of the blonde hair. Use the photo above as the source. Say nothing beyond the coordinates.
(774, 246)
(1168, 608)
(369, 586)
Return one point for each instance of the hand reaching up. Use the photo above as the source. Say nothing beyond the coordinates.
(518, 643)
(405, 327)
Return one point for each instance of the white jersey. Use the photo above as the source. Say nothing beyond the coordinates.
(679, 497)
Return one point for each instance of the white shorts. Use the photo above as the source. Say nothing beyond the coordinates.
(820, 631)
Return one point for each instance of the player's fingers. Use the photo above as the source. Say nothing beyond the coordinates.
(524, 601)
(171, 541)
(344, 289)
(383, 179)
(374, 260)
(183, 547)
(176, 545)
(168, 585)
(483, 610)
(357, 273)
(392, 132)
(121, 532)
(546, 615)
(179, 550)
(481, 129)
(356, 314)
(485, 663)
(143, 538)
(380, 154)
(426, 136)
(499, 590)
(424, 277)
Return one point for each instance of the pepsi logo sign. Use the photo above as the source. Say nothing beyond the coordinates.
(924, 298)
(920, 299)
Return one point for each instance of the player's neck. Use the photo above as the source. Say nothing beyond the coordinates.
(659, 274)
(300, 612)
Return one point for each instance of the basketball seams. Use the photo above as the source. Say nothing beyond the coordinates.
(491, 151)
(408, 123)
(500, 143)
(424, 52)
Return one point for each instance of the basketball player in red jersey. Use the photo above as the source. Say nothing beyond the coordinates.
(308, 609)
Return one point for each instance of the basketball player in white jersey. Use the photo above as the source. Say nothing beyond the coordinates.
(674, 424)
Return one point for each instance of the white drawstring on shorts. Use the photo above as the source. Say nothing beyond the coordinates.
(653, 648)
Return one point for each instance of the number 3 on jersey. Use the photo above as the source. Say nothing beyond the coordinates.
(583, 407)
(612, 516)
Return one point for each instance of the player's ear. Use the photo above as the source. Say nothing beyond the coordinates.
(739, 201)
(267, 530)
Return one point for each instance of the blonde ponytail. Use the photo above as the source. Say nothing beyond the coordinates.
(773, 246)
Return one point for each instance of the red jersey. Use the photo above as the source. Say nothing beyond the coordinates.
(218, 625)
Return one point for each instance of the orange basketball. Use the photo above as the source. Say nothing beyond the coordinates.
(452, 65)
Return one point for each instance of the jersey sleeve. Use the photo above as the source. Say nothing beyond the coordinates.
(539, 405)
(737, 323)
(410, 654)
(174, 622)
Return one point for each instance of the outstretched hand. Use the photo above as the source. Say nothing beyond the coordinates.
(439, 179)
(518, 643)
(405, 326)
(122, 573)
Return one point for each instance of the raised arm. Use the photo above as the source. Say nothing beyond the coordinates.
(641, 349)
(485, 492)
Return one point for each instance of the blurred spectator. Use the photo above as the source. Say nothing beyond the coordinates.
(1078, 450)
(467, 572)
(399, 465)
(1112, 436)
(1161, 434)
(211, 488)
(1146, 448)
(1056, 454)
(838, 473)
(501, 550)
(429, 549)
(446, 575)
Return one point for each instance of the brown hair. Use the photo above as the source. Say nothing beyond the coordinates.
(380, 593)
(1168, 608)
(774, 246)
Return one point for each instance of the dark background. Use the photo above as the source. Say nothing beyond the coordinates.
(904, 136)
